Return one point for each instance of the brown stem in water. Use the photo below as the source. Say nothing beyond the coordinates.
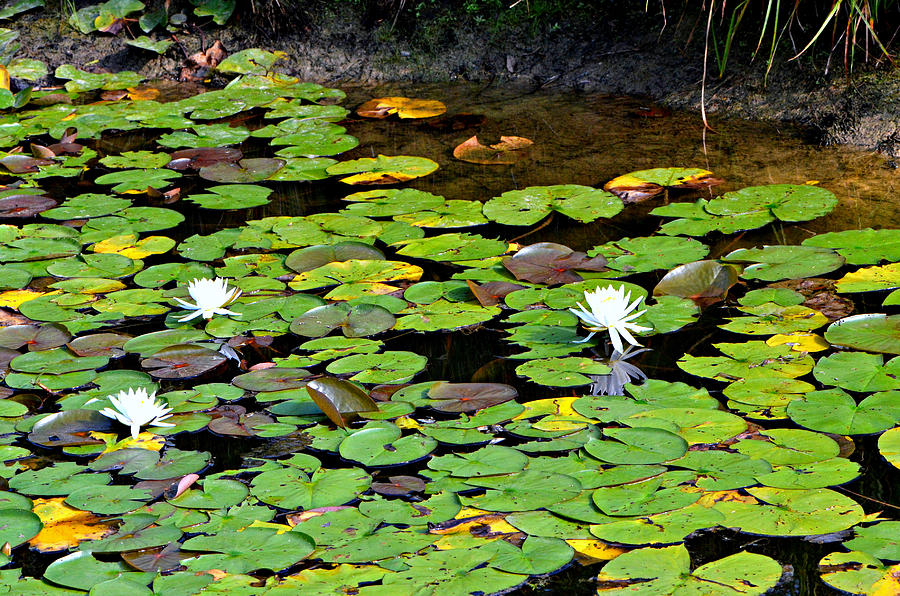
(540, 227)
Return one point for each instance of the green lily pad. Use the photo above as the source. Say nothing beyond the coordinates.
(637, 446)
(383, 445)
(562, 372)
(857, 371)
(772, 263)
(638, 255)
(861, 247)
(530, 205)
(382, 169)
(232, 196)
(787, 202)
(138, 180)
(836, 412)
(111, 500)
(871, 332)
(789, 512)
(667, 570)
(522, 491)
(452, 247)
(248, 550)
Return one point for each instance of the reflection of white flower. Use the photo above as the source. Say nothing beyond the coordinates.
(620, 374)
(135, 408)
(211, 297)
(609, 311)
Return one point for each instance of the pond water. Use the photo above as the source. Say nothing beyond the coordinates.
(477, 493)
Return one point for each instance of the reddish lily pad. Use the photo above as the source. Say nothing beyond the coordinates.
(550, 263)
(182, 361)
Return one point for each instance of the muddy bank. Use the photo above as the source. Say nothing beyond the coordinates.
(622, 53)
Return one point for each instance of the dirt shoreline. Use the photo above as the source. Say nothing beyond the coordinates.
(624, 54)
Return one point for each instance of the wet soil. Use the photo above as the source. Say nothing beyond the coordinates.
(627, 52)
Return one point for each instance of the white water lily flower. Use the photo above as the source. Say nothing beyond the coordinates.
(211, 297)
(135, 408)
(610, 311)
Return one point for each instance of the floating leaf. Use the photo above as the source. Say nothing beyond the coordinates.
(861, 247)
(551, 263)
(645, 184)
(232, 196)
(382, 169)
(386, 368)
(508, 151)
(873, 332)
(787, 202)
(404, 107)
(791, 512)
(65, 527)
(704, 282)
(562, 372)
(339, 399)
(667, 570)
(530, 205)
(384, 446)
(836, 412)
(246, 170)
(773, 263)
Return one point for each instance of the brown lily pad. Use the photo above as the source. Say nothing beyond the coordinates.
(24, 205)
(550, 263)
(821, 296)
(203, 157)
(493, 292)
(246, 170)
(19, 163)
(469, 397)
(182, 361)
(399, 486)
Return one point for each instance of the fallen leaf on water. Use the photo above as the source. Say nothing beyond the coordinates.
(508, 151)
(199, 64)
(404, 107)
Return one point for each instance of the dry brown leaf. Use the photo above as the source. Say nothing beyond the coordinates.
(200, 63)
(508, 151)
(404, 107)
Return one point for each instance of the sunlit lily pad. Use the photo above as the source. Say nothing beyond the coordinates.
(772, 263)
(637, 255)
(383, 169)
(791, 512)
(508, 151)
(530, 205)
(403, 107)
(670, 572)
(872, 332)
(836, 412)
(787, 202)
(645, 184)
(861, 247)
(452, 247)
